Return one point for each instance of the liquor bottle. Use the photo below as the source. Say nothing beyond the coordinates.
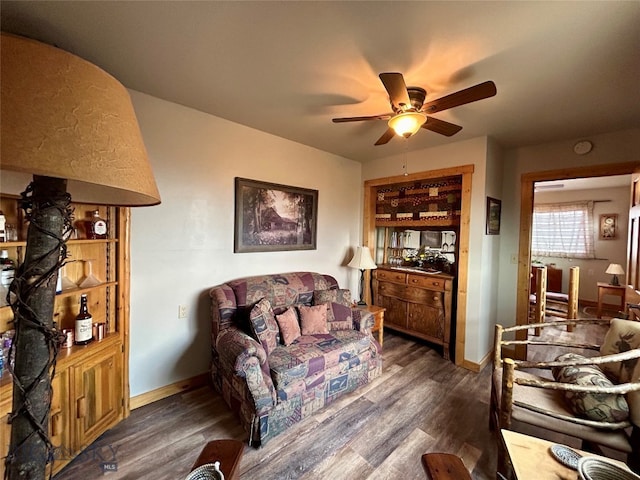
(7, 272)
(84, 320)
(3, 231)
(96, 226)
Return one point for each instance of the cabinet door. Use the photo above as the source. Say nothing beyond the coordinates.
(5, 429)
(98, 395)
(59, 422)
(396, 313)
(427, 319)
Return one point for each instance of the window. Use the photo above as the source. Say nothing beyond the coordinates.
(563, 230)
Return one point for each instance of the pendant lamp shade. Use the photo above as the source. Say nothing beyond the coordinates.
(63, 117)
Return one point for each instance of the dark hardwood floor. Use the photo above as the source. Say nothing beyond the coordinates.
(421, 403)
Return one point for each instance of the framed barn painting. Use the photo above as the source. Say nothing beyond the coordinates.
(270, 217)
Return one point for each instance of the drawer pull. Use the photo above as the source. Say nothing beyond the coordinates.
(56, 424)
(81, 407)
(436, 284)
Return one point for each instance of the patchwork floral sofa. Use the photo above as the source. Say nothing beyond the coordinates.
(285, 345)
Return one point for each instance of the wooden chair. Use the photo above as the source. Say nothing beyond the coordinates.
(522, 397)
(538, 299)
(565, 305)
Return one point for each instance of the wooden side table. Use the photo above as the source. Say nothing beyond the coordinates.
(227, 452)
(531, 459)
(608, 289)
(378, 314)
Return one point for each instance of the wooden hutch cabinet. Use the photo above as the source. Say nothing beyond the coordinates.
(417, 303)
(420, 299)
(91, 385)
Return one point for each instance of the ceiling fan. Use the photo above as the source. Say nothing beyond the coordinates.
(410, 112)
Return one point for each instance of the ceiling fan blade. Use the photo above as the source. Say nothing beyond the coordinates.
(468, 95)
(386, 136)
(396, 88)
(382, 116)
(441, 127)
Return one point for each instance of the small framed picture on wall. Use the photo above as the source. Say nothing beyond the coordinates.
(608, 226)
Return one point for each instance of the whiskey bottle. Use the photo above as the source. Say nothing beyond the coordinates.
(84, 320)
(96, 226)
(3, 231)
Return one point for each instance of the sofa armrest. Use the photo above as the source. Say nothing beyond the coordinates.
(363, 320)
(242, 356)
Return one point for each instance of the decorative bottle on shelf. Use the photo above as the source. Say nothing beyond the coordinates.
(7, 272)
(3, 231)
(84, 323)
(96, 226)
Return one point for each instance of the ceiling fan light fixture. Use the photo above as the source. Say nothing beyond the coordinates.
(407, 123)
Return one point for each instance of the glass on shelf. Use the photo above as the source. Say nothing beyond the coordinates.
(90, 280)
(65, 281)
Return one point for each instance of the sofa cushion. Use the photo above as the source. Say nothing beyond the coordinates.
(337, 295)
(263, 325)
(624, 335)
(601, 407)
(289, 327)
(339, 317)
(312, 354)
(282, 290)
(313, 319)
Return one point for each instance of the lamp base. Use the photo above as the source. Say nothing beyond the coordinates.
(614, 281)
(361, 303)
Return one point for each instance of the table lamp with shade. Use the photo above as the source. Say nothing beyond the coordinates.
(362, 261)
(68, 130)
(615, 269)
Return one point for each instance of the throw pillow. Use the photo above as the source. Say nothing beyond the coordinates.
(337, 295)
(289, 327)
(624, 335)
(263, 325)
(601, 407)
(339, 317)
(313, 319)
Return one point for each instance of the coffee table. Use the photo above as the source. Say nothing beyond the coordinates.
(531, 459)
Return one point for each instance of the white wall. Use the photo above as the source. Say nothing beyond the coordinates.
(184, 246)
(615, 147)
(482, 267)
(607, 200)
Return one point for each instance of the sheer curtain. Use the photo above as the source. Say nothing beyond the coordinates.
(563, 230)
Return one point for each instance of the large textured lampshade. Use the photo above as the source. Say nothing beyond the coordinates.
(68, 132)
(63, 117)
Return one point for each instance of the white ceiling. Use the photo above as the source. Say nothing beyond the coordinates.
(590, 183)
(563, 70)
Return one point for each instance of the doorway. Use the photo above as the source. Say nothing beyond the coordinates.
(526, 215)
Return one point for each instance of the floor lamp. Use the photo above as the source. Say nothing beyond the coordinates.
(68, 130)
(362, 261)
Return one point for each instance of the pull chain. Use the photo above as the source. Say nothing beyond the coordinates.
(406, 150)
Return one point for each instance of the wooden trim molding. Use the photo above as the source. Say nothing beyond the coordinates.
(168, 390)
(477, 367)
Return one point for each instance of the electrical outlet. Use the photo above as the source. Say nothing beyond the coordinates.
(590, 272)
(182, 311)
(514, 258)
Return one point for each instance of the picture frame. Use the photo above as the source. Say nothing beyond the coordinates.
(271, 217)
(494, 208)
(608, 226)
